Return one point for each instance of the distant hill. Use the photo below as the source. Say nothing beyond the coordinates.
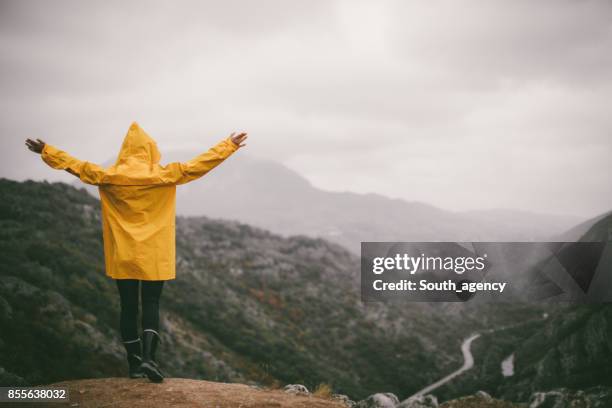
(593, 230)
(268, 195)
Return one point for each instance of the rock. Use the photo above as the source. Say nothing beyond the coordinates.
(473, 401)
(344, 399)
(380, 400)
(550, 399)
(484, 395)
(297, 389)
(595, 397)
(420, 401)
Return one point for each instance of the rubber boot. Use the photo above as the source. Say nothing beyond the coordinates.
(134, 353)
(149, 365)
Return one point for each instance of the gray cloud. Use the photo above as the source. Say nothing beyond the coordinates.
(472, 104)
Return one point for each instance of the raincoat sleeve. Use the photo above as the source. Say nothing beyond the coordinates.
(89, 173)
(180, 173)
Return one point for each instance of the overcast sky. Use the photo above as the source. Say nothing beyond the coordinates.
(461, 104)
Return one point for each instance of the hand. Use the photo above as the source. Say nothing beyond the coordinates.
(237, 139)
(35, 146)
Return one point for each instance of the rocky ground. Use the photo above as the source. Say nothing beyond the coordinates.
(184, 393)
(475, 401)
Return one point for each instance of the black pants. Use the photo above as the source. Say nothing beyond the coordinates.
(128, 292)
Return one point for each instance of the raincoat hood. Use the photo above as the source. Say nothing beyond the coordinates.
(138, 146)
(138, 160)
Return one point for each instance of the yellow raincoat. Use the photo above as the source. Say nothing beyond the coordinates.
(137, 195)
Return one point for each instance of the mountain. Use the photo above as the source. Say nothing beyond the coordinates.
(258, 308)
(248, 306)
(591, 230)
(268, 195)
(574, 347)
(570, 348)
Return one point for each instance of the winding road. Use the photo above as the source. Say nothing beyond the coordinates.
(468, 362)
(468, 359)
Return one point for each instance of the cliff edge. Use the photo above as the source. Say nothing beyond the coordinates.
(186, 393)
(182, 393)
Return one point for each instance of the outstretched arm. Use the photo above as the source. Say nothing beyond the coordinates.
(89, 173)
(180, 173)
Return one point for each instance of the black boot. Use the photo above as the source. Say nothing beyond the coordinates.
(149, 366)
(133, 350)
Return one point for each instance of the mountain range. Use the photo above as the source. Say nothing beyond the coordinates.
(255, 307)
(267, 194)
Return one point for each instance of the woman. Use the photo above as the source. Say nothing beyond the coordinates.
(137, 197)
